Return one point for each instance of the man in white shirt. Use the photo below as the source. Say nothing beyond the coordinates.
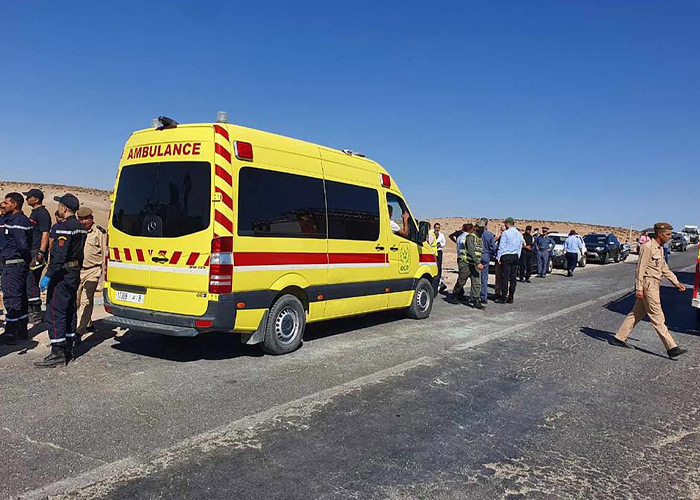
(437, 241)
(401, 231)
(573, 248)
(510, 245)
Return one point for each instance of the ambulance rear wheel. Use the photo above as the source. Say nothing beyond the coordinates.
(285, 326)
(422, 300)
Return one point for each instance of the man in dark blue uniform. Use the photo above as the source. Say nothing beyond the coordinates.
(15, 254)
(62, 280)
(41, 221)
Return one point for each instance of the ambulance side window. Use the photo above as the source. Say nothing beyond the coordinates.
(396, 208)
(278, 204)
(353, 212)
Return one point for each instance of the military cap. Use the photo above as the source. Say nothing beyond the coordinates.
(509, 220)
(36, 193)
(69, 201)
(84, 212)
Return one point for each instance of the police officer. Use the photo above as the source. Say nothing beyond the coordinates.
(651, 269)
(544, 246)
(92, 270)
(62, 280)
(15, 254)
(489, 249)
(41, 221)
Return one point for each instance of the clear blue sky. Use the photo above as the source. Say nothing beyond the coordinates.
(582, 111)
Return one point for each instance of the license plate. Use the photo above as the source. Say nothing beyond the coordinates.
(134, 298)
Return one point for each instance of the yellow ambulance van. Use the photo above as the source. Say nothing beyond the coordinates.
(217, 227)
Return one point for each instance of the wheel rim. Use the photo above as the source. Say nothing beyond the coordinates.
(287, 325)
(422, 299)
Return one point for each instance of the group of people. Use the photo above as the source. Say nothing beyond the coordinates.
(514, 252)
(66, 260)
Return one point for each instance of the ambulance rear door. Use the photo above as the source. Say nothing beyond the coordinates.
(163, 221)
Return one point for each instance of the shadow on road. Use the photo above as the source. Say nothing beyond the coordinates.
(680, 316)
(604, 336)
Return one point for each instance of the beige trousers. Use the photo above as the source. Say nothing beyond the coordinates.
(650, 305)
(86, 298)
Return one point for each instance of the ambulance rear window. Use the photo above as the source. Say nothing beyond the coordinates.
(163, 199)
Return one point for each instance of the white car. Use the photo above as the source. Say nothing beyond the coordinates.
(558, 254)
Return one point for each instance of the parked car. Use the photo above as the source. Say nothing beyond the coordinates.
(678, 243)
(603, 248)
(558, 254)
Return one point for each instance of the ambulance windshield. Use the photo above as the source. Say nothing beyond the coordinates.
(167, 199)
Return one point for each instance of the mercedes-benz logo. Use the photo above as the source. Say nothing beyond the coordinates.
(152, 226)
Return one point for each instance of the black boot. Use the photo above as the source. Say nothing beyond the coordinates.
(676, 351)
(57, 357)
(36, 315)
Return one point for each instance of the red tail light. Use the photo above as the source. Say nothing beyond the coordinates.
(221, 265)
(243, 150)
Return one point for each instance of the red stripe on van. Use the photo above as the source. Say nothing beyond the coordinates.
(192, 259)
(278, 258)
(357, 258)
(139, 255)
(115, 251)
(223, 152)
(224, 175)
(223, 220)
(228, 201)
(207, 262)
(427, 257)
(175, 258)
(221, 131)
(127, 254)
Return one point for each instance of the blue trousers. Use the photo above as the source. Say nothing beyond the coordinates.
(485, 281)
(14, 296)
(61, 306)
(542, 263)
(571, 261)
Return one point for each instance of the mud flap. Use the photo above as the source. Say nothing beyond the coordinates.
(258, 336)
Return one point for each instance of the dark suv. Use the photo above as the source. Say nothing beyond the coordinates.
(603, 248)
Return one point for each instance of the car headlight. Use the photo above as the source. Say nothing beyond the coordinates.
(557, 252)
(599, 249)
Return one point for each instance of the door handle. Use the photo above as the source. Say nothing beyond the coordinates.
(394, 249)
(160, 260)
(379, 248)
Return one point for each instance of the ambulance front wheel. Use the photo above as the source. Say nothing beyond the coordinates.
(285, 326)
(422, 300)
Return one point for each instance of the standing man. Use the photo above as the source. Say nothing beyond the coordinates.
(457, 234)
(526, 256)
(489, 245)
(41, 222)
(573, 248)
(437, 242)
(651, 269)
(544, 246)
(62, 280)
(92, 271)
(15, 254)
(509, 247)
(469, 247)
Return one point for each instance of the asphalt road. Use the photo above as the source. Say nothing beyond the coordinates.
(520, 401)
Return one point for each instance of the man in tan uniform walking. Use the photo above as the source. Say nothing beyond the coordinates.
(651, 269)
(92, 271)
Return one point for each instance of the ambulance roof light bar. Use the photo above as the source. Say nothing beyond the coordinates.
(163, 123)
(222, 117)
(353, 153)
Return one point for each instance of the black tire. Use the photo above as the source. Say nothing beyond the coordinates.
(550, 266)
(422, 302)
(617, 257)
(606, 258)
(582, 262)
(285, 326)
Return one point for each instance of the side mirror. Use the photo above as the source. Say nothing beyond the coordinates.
(423, 228)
